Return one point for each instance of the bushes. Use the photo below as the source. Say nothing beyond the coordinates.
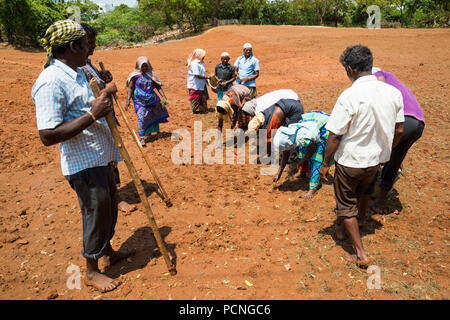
(24, 22)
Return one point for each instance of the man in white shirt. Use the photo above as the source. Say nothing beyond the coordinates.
(365, 123)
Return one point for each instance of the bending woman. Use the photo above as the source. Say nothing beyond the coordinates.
(149, 109)
(283, 113)
(310, 136)
(228, 109)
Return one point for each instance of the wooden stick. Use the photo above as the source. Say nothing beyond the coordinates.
(137, 181)
(138, 142)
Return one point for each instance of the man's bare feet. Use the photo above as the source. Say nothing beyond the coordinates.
(362, 262)
(114, 256)
(310, 194)
(126, 207)
(100, 281)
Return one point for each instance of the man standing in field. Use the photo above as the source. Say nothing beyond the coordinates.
(366, 122)
(67, 113)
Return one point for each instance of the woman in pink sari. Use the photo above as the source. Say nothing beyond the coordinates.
(196, 81)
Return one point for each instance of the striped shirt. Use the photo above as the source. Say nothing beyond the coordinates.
(62, 94)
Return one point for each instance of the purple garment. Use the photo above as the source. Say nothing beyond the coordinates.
(411, 106)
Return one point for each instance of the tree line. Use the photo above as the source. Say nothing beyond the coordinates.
(24, 22)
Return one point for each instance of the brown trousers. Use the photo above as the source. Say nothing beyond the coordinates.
(349, 184)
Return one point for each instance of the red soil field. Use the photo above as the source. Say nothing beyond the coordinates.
(230, 233)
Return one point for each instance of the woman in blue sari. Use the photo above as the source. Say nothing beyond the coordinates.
(149, 107)
(310, 136)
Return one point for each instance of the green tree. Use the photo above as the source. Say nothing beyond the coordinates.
(163, 8)
(25, 21)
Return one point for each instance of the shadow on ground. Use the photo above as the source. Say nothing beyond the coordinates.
(129, 193)
(144, 242)
(392, 205)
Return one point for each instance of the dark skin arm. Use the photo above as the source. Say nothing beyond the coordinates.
(130, 92)
(333, 142)
(160, 90)
(106, 75)
(244, 80)
(311, 149)
(100, 107)
(225, 83)
(201, 77)
(283, 163)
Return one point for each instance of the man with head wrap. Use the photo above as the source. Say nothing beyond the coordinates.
(247, 69)
(67, 113)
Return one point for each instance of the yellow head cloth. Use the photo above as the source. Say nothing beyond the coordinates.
(60, 33)
(227, 107)
(256, 122)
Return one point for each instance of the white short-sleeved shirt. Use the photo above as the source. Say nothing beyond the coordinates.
(270, 98)
(62, 94)
(365, 115)
(196, 69)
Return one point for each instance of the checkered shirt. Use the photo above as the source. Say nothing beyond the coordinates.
(62, 95)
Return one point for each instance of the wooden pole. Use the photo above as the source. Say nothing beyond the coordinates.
(141, 149)
(137, 181)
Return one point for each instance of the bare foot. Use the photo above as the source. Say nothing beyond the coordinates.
(100, 281)
(110, 259)
(362, 262)
(310, 194)
(143, 143)
(126, 207)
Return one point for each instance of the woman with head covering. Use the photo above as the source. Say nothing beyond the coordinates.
(196, 81)
(149, 108)
(310, 136)
(224, 74)
(228, 109)
(247, 69)
(412, 131)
